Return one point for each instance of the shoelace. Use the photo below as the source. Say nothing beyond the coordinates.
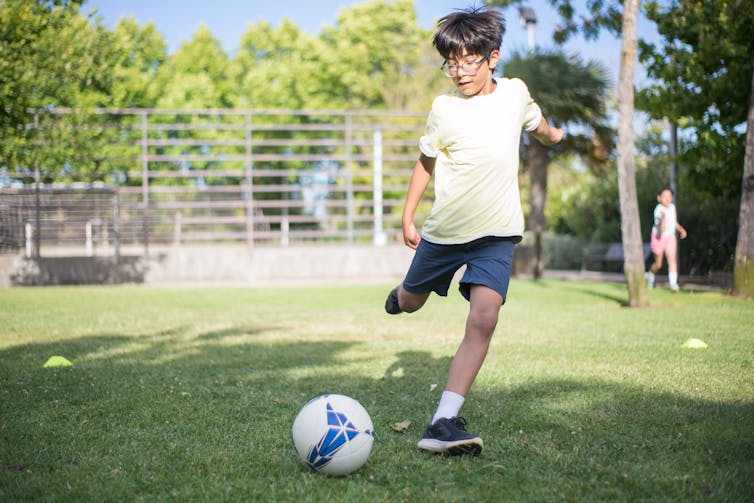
(459, 421)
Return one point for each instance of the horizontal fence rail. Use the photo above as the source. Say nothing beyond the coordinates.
(260, 177)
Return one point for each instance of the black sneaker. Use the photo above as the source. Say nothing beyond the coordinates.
(391, 304)
(449, 436)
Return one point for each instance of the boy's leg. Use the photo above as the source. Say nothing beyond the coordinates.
(402, 301)
(447, 432)
(484, 310)
(431, 270)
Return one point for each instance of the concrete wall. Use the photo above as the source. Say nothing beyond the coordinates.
(283, 264)
(225, 264)
(75, 271)
(214, 264)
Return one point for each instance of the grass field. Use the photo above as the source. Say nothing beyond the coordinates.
(188, 394)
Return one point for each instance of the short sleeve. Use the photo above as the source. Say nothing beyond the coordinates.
(429, 143)
(658, 215)
(532, 112)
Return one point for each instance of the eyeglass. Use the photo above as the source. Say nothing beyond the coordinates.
(468, 67)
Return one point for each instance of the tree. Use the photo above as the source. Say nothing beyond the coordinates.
(51, 57)
(139, 53)
(608, 15)
(572, 94)
(195, 76)
(703, 73)
(743, 274)
(384, 60)
(279, 68)
(633, 254)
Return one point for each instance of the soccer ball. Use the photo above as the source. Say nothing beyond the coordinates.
(333, 434)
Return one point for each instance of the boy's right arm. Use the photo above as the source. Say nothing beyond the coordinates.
(420, 177)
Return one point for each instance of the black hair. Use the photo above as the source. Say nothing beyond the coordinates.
(663, 189)
(476, 29)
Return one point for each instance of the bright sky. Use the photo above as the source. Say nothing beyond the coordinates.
(178, 20)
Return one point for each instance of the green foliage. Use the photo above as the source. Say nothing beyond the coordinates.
(382, 58)
(189, 394)
(560, 251)
(598, 15)
(194, 77)
(50, 56)
(279, 68)
(586, 205)
(703, 83)
(573, 94)
(703, 73)
(704, 67)
(139, 53)
(376, 56)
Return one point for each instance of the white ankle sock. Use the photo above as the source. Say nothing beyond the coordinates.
(673, 279)
(450, 404)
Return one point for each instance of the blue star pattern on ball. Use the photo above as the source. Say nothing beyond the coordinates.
(340, 431)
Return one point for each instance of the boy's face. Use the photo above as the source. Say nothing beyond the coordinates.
(472, 73)
(665, 197)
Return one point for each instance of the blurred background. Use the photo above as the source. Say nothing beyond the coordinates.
(133, 129)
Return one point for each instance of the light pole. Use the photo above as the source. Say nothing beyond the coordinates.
(528, 21)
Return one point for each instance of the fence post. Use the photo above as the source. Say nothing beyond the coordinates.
(116, 224)
(145, 180)
(88, 233)
(28, 230)
(249, 174)
(37, 214)
(379, 239)
(349, 179)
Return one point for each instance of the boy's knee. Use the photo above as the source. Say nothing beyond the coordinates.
(410, 302)
(484, 320)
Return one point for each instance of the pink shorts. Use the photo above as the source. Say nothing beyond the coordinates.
(663, 244)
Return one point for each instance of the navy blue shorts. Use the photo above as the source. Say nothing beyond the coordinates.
(488, 262)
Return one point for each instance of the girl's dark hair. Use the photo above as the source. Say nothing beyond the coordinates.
(476, 29)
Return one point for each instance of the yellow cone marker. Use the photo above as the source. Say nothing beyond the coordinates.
(695, 344)
(57, 361)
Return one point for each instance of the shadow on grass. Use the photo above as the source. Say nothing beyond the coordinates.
(598, 291)
(212, 422)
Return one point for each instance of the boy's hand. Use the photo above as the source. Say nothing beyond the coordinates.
(556, 134)
(411, 236)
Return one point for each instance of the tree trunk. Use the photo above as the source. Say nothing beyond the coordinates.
(633, 261)
(743, 271)
(538, 161)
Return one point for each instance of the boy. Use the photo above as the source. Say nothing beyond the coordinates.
(470, 144)
(663, 240)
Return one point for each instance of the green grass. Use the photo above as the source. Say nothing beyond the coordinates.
(189, 394)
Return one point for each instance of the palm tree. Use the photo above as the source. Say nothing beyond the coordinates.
(572, 94)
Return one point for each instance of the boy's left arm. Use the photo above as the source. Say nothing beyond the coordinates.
(546, 134)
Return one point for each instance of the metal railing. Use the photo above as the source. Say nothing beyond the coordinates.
(209, 176)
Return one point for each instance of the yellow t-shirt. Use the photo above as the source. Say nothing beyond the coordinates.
(475, 142)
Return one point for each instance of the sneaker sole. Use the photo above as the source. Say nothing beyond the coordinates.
(472, 446)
